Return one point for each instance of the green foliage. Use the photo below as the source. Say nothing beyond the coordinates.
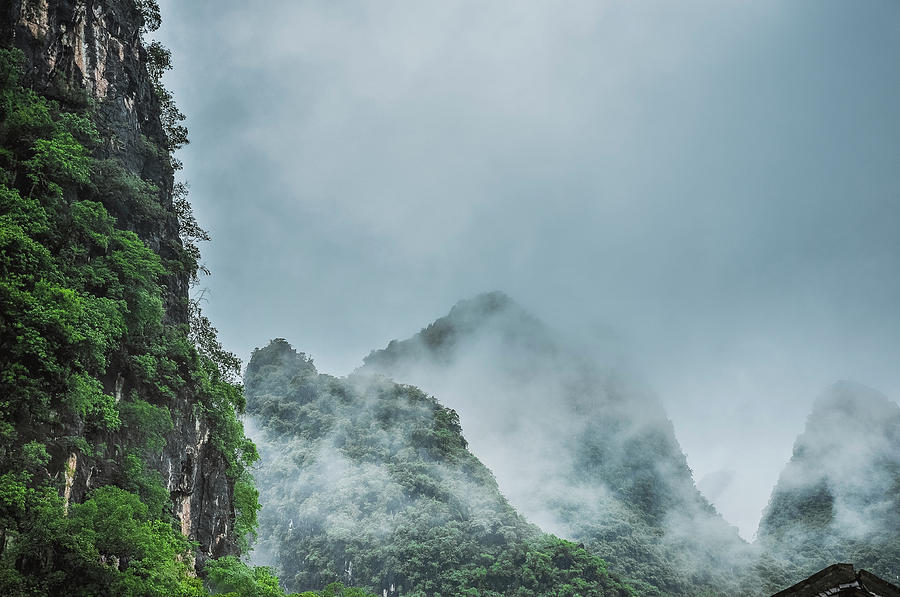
(149, 11)
(148, 424)
(337, 589)
(246, 505)
(124, 192)
(230, 577)
(145, 483)
(838, 501)
(109, 544)
(91, 368)
(205, 338)
(369, 482)
(190, 231)
(152, 557)
(159, 60)
(60, 158)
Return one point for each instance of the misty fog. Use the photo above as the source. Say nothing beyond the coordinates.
(707, 190)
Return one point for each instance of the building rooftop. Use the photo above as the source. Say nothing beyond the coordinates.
(841, 580)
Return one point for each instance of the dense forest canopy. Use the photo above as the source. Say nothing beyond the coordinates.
(370, 482)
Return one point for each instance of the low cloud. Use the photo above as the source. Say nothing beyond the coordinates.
(716, 181)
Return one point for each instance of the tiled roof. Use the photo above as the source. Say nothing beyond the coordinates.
(841, 580)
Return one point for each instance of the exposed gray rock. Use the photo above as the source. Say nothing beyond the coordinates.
(90, 53)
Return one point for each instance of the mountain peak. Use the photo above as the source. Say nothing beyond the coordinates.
(836, 499)
(484, 304)
(856, 400)
(490, 310)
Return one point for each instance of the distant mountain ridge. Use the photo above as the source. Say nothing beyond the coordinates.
(441, 338)
(838, 499)
(577, 446)
(369, 482)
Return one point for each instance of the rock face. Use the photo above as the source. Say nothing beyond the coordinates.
(90, 53)
(81, 51)
(838, 499)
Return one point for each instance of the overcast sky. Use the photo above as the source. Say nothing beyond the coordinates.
(716, 182)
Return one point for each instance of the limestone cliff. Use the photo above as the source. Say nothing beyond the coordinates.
(91, 53)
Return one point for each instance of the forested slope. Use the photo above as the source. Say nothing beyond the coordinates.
(370, 482)
(123, 465)
(576, 443)
(838, 499)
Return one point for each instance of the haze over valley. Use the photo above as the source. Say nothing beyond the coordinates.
(711, 189)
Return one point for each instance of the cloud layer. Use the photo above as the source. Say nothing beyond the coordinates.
(716, 183)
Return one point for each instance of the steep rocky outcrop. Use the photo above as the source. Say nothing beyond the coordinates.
(838, 499)
(90, 54)
(91, 51)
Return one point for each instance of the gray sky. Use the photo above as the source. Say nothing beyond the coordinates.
(718, 182)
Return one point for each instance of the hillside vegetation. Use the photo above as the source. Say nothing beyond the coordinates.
(370, 482)
(838, 499)
(577, 444)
